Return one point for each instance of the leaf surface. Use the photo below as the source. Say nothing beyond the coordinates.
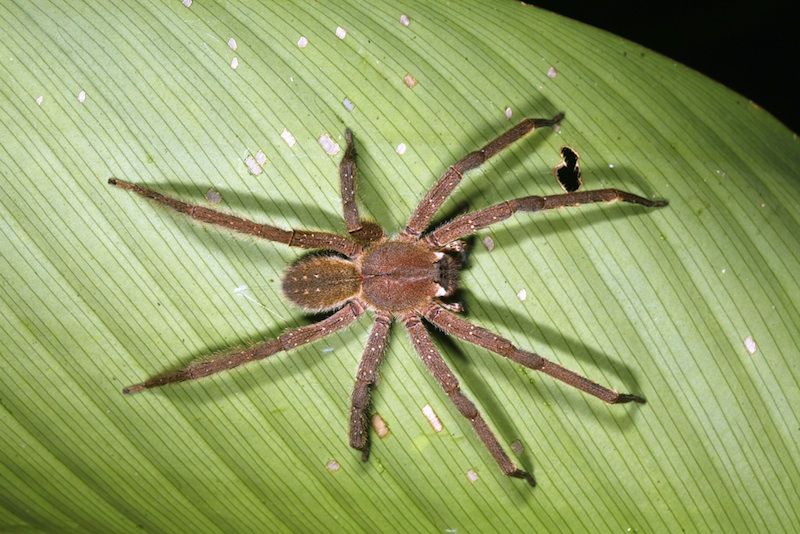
(694, 306)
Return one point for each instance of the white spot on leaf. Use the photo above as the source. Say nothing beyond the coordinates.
(332, 465)
(472, 475)
(433, 419)
(404, 20)
(552, 72)
(39, 100)
(261, 158)
(401, 148)
(522, 294)
(235, 63)
(232, 44)
(341, 33)
(253, 166)
(187, 3)
(82, 97)
(213, 196)
(488, 242)
(380, 426)
(348, 105)
(328, 145)
(288, 137)
(508, 113)
(302, 42)
(409, 80)
(750, 345)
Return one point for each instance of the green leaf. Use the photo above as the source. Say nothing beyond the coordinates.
(694, 306)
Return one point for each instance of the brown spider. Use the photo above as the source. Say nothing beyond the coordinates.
(401, 277)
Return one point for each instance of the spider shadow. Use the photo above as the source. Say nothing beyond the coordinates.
(254, 203)
(543, 335)
(478, 388)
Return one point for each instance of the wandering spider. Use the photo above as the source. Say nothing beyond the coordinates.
(402, 277)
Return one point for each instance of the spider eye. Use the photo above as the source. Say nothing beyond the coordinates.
(446, 276)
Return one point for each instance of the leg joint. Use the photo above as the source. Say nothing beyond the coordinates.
(464, 405)
(529, 359)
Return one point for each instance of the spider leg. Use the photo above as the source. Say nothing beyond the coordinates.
(347, 175)
(228, 360)
(456, 326)
(471, 222)
(293, 238)
(364, 232)
(366, 379)
(439, 193)
(442, 373)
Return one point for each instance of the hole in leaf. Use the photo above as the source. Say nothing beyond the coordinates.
(568, 172)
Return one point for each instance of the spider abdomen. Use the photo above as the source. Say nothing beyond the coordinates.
(399, 276)
(319, 283)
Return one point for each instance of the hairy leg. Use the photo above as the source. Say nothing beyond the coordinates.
(365, 232)
(456, 326)
(471, 222)
(286, 341)
(366, 379)
(293, 238)
(441, 372)
(347, 175)
(439, 193)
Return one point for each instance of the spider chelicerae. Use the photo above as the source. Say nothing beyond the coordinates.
(403, 278)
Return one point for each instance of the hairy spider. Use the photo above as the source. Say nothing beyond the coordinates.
(402, 277)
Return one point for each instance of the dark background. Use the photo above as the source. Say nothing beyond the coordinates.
(751, 47)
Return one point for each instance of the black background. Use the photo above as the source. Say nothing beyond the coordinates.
(751, 47)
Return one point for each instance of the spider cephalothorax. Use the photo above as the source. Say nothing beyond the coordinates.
(401, 278)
